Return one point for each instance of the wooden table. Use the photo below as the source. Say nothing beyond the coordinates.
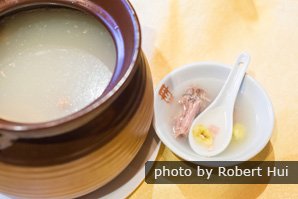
(177, 32)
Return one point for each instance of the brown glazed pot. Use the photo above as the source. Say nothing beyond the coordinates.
(120, 19)
(102, 138)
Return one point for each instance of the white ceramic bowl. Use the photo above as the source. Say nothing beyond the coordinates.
(253, 109)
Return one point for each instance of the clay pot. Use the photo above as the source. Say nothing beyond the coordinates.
(121, 21)
(80, 153)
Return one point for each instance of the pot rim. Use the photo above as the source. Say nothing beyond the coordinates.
(95, 10)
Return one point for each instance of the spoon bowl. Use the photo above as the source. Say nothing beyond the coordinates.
(211, 132)
(203, 140)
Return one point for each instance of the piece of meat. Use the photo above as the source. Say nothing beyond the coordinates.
(214, 129)
(194, 101)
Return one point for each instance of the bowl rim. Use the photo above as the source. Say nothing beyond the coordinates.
(188, 157)
(92, 9)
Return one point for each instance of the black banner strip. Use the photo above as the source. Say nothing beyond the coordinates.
(250, 172)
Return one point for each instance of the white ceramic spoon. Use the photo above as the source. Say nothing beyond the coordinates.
(219, 115)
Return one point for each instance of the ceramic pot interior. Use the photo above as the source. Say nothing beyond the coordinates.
(119, 19)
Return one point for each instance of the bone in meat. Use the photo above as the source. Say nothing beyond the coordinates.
(193, 102)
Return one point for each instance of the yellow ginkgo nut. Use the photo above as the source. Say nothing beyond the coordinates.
(202, 135)
(238, 131)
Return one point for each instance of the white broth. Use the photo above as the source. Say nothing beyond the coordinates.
(53, 62)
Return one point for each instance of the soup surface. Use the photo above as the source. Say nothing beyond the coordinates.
(53, 62)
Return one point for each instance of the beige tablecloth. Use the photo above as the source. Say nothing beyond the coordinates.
(177, 32)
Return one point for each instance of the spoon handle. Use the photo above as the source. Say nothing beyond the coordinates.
(231, 87)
